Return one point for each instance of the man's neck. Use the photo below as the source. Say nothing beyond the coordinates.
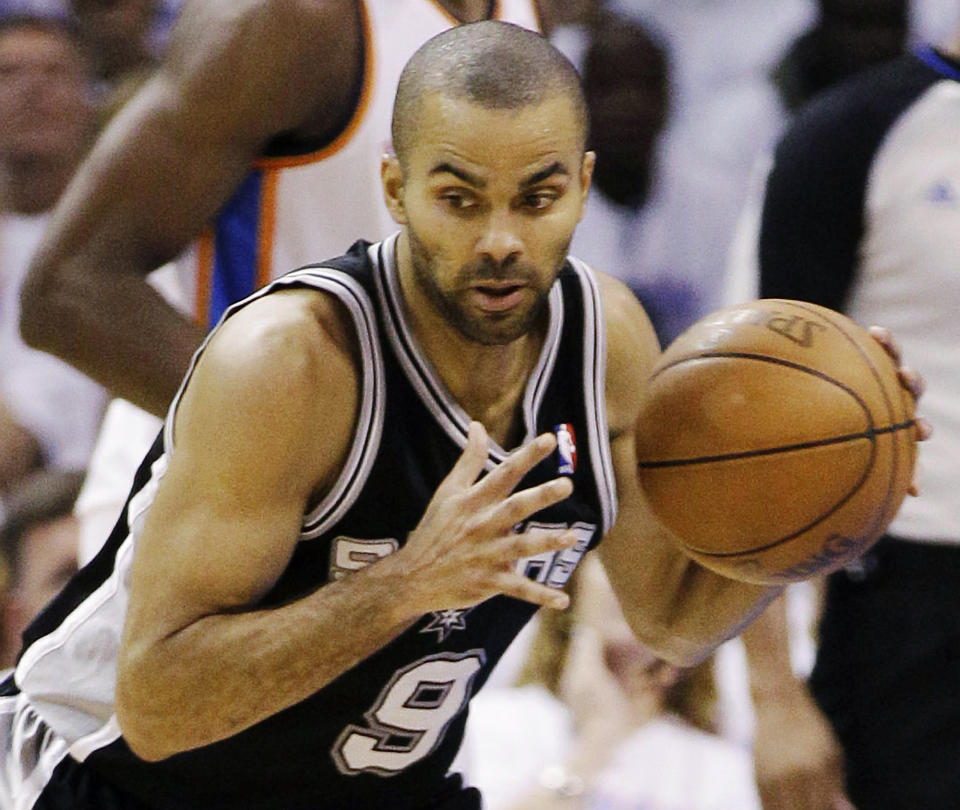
(468, 10)
(488, 382)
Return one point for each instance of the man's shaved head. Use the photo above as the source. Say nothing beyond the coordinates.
(493, 64)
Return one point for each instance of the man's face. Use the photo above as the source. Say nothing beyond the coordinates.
(47, 559)
(44, 102)
(627, 93)
(115, 31)
(490, 199)
(859, 33)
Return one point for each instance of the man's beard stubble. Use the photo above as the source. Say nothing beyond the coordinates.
(489, 330)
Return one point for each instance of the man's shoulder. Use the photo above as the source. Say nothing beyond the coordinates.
(306, 12)
(240, 19)
(632, 349)
(622, 308)
(291, 332)
(280, 46)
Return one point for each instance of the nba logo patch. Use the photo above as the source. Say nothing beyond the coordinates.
(566, 449)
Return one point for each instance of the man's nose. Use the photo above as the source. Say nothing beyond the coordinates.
(501, 238)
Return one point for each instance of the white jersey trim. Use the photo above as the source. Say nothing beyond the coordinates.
(366, 440)
(595, 380)
(85, 746)
(40, 683)
(30, 753)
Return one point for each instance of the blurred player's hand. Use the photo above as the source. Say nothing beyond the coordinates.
(910, 378)
(797, 760)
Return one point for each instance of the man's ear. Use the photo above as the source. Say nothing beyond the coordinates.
(391, 176)
(586, 176)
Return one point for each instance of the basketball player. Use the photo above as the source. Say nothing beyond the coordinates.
(329, 545)
(301, 90)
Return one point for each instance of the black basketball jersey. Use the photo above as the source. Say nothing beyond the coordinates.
(384, 733)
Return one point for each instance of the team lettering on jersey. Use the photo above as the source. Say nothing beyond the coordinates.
(552, 568)
(411, 716)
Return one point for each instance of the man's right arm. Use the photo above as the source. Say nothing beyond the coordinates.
(201, 659)
(237, 72)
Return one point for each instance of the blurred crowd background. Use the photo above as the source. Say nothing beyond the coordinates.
(687, 99)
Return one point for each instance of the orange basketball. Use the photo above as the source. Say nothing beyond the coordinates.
(775, 441)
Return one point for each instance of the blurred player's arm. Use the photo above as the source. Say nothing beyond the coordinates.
(19, 450)
(236, 73)
(798, 761)
(676, 607)
(261, 433)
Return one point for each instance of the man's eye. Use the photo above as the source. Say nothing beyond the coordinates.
(539, 200)
(458, 202)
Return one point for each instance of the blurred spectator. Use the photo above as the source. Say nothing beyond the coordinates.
(625, 80)
(625, 73)
(844, 38)
(725, 111)
(44, 111)
(38, 551)
(49, 412)
(720, 54)
(598, 723)
(718, 47)
(849, 35)
(116, 34)
(121, 40)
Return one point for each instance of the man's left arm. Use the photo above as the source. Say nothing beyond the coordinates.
(678, 608)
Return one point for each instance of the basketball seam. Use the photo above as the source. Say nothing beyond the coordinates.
(803, 529)
(891, 411)
(869, 434)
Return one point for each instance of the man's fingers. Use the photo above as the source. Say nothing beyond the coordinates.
(519, 587)
(518, 547)
(883, 336)
(519, 506)
(504, 479)
(912, 380)
(536, 541)
(471, 461)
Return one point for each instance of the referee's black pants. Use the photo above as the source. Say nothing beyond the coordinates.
(887, 675)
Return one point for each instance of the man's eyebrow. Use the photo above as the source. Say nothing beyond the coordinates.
(465, 176)
(538, 177)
